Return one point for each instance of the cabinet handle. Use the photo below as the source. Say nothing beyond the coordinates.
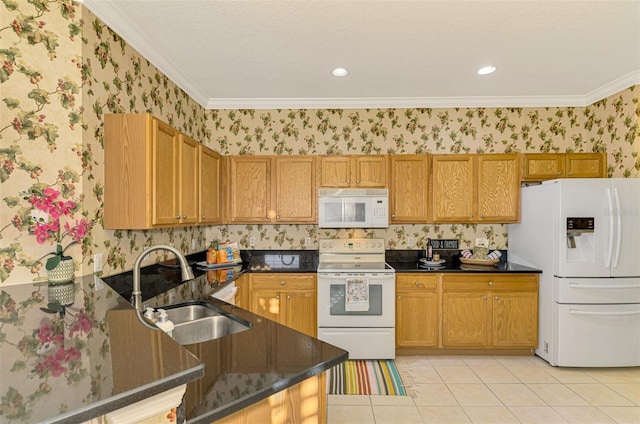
(484, 297)
(496, 298)
(491, 283)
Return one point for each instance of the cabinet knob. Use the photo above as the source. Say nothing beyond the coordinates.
(203, 217)
(399, 297)
(484, 297)
(282, 283)
(471, 216)
(268, 217)
(184, 216)
(177, 216)
(481, 216)
(417, 283)
(277, 217)
(496, 298)
(288, 297)
(393, 215)
(559, 173)
(569, 173)
(491, 283)
(348, 181)
(357, 181)
(278, 297)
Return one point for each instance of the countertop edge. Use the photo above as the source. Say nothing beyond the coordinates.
(99, 408)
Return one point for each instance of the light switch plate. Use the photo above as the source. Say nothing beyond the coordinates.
(307, 241)
(97, 262)
(410, 241)
(252, 241)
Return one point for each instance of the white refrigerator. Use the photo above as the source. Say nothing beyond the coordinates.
(584, 234)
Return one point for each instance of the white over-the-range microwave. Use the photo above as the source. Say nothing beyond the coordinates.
(353, 208)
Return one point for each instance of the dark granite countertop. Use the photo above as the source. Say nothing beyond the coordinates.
(407, 261)
(246, 367)
(72, 367)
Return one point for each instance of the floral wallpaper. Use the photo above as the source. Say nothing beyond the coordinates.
(63, 69)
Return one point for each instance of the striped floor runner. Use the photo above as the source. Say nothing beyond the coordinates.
(370, 377)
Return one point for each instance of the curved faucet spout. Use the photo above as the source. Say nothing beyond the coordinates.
(187, 273)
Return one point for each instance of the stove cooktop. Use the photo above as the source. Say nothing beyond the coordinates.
(354, 267)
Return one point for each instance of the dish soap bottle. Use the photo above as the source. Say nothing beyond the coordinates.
(429, 250)
(150, 315)
(164, 323)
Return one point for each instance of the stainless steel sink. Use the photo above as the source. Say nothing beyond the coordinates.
(197, 322)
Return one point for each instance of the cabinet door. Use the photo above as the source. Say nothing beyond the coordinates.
(542, 166)
(498, 188)
(515, 319)
(210, 177)
(301, 312)
(188, 182)
(409, 188)
(250, 193)
(267, 303)
(416, 318)
(165, 154)
(453, 186)
(586, 165)
(466, 319)
(335, 171)
(296, 189)
(371, 171)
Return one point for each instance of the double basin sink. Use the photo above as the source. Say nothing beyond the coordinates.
(197, 322)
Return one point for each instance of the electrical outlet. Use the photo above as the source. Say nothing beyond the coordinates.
(307, 241)
(410, 241)
(193, 244)
(97, 262)
(252, 241)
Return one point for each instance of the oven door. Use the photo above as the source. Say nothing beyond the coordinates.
(333, 310)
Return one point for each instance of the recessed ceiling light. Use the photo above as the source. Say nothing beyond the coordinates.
(486, 70)
(339, 72)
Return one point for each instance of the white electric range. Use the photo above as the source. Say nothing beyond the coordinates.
(356, 297)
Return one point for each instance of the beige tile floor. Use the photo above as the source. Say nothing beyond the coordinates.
(496, 389)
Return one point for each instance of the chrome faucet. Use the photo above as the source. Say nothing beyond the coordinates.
(136, 295)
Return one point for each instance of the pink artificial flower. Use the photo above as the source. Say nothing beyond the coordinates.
(82, 325)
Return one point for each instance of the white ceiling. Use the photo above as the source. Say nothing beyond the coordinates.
(279, 54)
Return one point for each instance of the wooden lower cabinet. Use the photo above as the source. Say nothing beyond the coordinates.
(303, 403)
(417, 310)
(490, 310)
(457, 313)
(289, 299)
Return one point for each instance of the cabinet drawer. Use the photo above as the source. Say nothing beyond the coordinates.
(283, 281)
(524, 282)
(416, 281)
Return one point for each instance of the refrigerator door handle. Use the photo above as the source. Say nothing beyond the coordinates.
(604, 286)
(610, 314)
(607, 264)
(616, 255)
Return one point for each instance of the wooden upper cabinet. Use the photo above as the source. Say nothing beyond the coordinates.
(498, 188)
(408, 189)
(268, 189)
(210, 183)
(295, 186)
(586, 165)
(548, 166)
(189, 178)
(151, 174)
(363, 171)
(476, 188)
(250, 190)
(453, 188)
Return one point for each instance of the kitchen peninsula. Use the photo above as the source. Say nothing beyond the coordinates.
(123, 362)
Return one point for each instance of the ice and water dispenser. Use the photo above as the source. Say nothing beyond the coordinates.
(580, 239)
